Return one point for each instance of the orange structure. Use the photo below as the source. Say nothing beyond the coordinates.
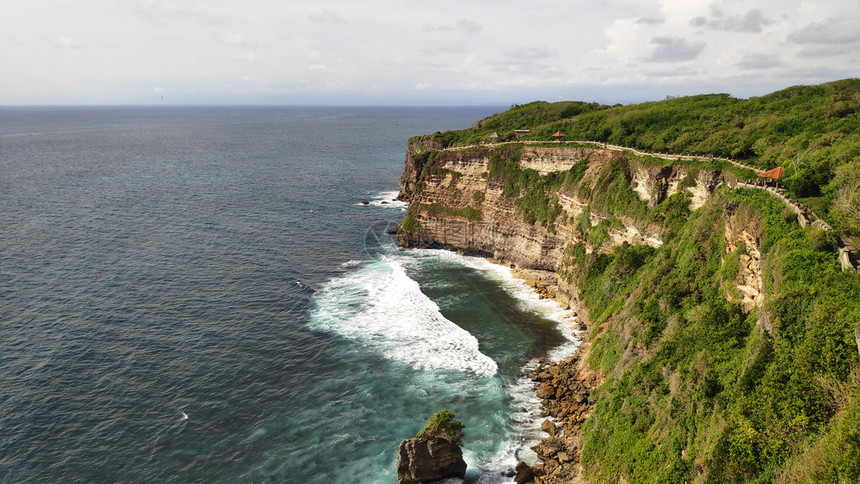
(774, 174)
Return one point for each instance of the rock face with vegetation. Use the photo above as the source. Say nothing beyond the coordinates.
(434, 453)
(722, 334)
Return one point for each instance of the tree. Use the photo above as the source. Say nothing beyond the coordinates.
(846, 196)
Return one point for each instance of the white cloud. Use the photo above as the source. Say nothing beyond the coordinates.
(670, 49)
(758, 62)
(751, 22)
(234, 39)
(65, 42)
(326, 16)
(831, 31)
(59, 51)
(468, 26)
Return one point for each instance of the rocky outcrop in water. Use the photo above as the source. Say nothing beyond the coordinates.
(427, 459)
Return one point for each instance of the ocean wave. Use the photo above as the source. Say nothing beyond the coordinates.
(350, 263)
(385, 199)
(527, 297)
(379, 305)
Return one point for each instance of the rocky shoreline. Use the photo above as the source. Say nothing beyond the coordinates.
(565, 389)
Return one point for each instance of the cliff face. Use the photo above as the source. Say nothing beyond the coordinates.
(743, 236)
(456, 202)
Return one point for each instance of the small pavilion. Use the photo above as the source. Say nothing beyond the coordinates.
(558, 135)
(774, 174)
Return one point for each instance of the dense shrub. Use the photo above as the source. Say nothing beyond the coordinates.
(443, 425)
(699, 389)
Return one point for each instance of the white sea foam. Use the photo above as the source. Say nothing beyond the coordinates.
(381, 306)
(386, 199)
(526, 296)
(526, 420)
(350, 263)
(526, 416)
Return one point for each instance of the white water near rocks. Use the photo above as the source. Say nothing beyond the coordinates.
(380, 306)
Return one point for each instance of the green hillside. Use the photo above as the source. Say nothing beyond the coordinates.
(697, 388)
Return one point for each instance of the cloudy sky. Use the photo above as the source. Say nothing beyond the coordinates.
(416, 52)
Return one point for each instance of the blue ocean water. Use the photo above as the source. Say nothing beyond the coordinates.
(199, 295)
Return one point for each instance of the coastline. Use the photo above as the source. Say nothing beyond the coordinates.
(564, 384)
(560, 380)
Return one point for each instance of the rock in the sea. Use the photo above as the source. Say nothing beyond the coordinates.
(524, 473)
(422, 459)
(365, 202)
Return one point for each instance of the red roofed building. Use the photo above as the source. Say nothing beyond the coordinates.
(774, 174)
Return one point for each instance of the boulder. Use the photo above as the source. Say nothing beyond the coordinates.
(423, 459)
(549, 427)
(524, 473)
(548, 448)
(546, 391)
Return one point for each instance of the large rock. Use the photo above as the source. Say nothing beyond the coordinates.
(524, 473)
(424, 459)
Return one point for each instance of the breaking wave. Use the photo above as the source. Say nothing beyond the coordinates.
(379, 305)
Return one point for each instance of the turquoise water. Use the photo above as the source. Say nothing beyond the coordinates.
(198, 295)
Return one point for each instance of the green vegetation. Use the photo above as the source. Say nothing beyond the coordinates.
(478, 197)
(612, 193)
(536, 194)
(697, 387)
(443, 425)
(524, 116)
(813, 131)
(439, 210)
(410, 225)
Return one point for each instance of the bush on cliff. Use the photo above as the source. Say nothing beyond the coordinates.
(410, 225)
(443, 425)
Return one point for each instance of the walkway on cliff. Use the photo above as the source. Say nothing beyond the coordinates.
(662, 156)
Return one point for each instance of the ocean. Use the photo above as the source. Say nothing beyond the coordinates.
(198, 294)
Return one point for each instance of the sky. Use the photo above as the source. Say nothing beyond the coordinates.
(416, 52)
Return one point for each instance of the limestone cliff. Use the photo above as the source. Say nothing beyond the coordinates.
(458, 200)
